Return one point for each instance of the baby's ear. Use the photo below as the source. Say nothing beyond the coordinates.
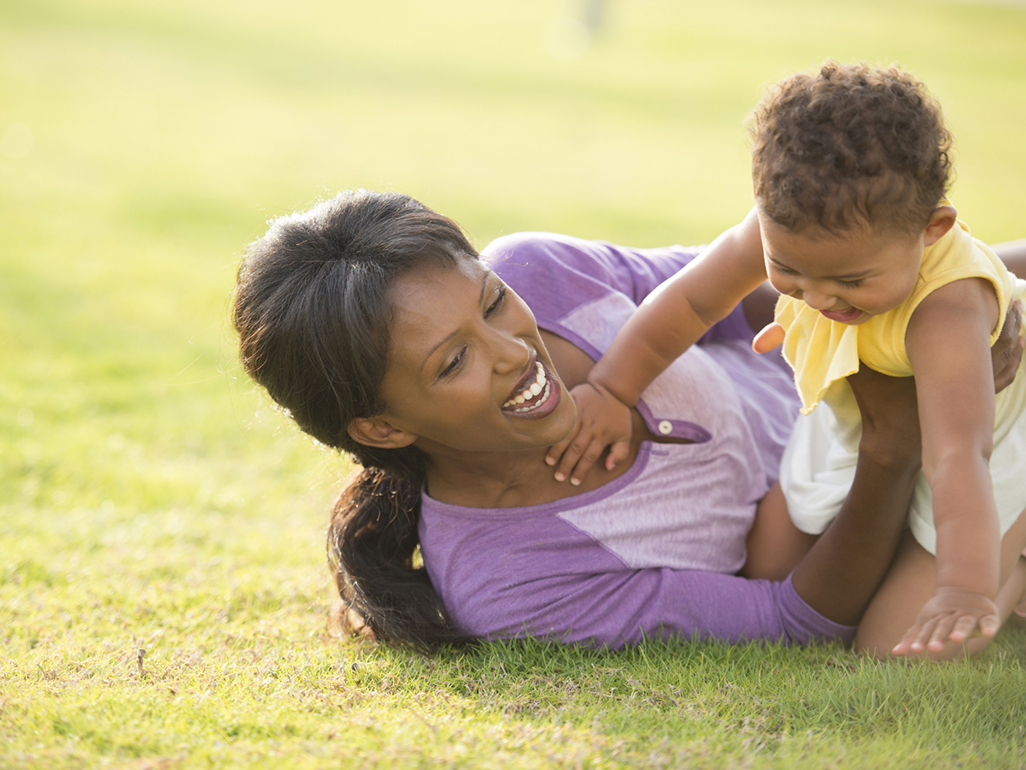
(377, 432)
(941, 220)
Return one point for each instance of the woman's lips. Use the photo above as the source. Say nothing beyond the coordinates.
(842, 316)
(535, 397)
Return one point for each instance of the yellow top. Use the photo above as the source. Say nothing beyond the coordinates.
(822, 351)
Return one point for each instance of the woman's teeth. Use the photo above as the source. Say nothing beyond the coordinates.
(536, 388)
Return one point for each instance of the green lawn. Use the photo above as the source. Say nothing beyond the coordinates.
(151, 501)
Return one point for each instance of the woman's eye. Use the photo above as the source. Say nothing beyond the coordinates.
(497, 304)
(454, 365)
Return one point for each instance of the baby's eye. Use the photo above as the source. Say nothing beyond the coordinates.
(497, 304)
(852, 284)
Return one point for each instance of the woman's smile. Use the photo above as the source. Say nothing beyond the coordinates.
(534, 397)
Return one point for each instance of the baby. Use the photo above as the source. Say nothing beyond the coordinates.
(851, 226)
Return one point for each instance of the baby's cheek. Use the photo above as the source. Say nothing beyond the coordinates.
(785, 287)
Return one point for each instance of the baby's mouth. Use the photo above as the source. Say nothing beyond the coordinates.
(532, 394)
(842, 316)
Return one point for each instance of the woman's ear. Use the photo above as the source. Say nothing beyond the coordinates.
(376, 432)
(941, 220)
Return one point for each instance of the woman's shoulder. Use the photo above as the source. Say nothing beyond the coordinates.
(549, 261)
(555, 273)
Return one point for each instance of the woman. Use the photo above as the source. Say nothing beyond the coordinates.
(373, 322)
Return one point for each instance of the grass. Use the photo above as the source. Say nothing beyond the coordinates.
(151, 501)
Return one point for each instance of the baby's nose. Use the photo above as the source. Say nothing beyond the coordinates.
(817, 300)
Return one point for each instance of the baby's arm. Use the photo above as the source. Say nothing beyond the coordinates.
(668, 322)
(948, 342)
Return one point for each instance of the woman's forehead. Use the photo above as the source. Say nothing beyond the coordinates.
(424, 281)
(431, 302)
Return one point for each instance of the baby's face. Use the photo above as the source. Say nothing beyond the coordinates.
(850, 277)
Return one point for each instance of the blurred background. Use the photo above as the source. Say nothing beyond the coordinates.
(143, 143)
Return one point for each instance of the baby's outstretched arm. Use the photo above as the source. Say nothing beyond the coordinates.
(948, 342)
(667, 323)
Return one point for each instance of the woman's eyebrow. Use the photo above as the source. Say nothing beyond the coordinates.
(480, 300)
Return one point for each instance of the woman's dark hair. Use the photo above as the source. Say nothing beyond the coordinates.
(312, 311)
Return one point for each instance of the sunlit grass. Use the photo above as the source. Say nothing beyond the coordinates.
(151, 501)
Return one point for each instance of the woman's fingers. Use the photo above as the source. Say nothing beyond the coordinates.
(1007, 351)
(771, 337)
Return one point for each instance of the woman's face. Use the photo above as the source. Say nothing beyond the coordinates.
(467, 367)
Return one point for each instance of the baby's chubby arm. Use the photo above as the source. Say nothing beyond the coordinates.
(668, 322)
(948, 342)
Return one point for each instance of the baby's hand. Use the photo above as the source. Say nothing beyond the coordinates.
(602, 419)
(952, 615)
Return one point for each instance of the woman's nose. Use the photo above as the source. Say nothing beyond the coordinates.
(511, 352)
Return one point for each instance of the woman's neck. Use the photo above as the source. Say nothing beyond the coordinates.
(516, 479)
(495, 479)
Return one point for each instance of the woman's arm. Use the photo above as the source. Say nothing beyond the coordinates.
(1013, 254)
(841, 573)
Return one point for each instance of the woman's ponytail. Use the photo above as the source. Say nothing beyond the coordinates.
(371, 544)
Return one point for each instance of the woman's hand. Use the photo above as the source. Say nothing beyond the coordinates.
(952, 615)
(602, 420)
(1007, 351)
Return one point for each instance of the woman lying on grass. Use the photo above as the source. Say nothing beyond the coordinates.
(376, 325)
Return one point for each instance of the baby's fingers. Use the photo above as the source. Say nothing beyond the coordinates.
(966, 627)
(617, 453)
(578, 457)
(558, 451)
(588, 458)
(944, 631)
(568, 461)
(915, 638)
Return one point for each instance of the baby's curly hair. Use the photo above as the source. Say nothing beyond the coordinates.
(848, 146)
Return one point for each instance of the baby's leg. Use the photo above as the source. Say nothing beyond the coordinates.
(910, 584)
(775, 544)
